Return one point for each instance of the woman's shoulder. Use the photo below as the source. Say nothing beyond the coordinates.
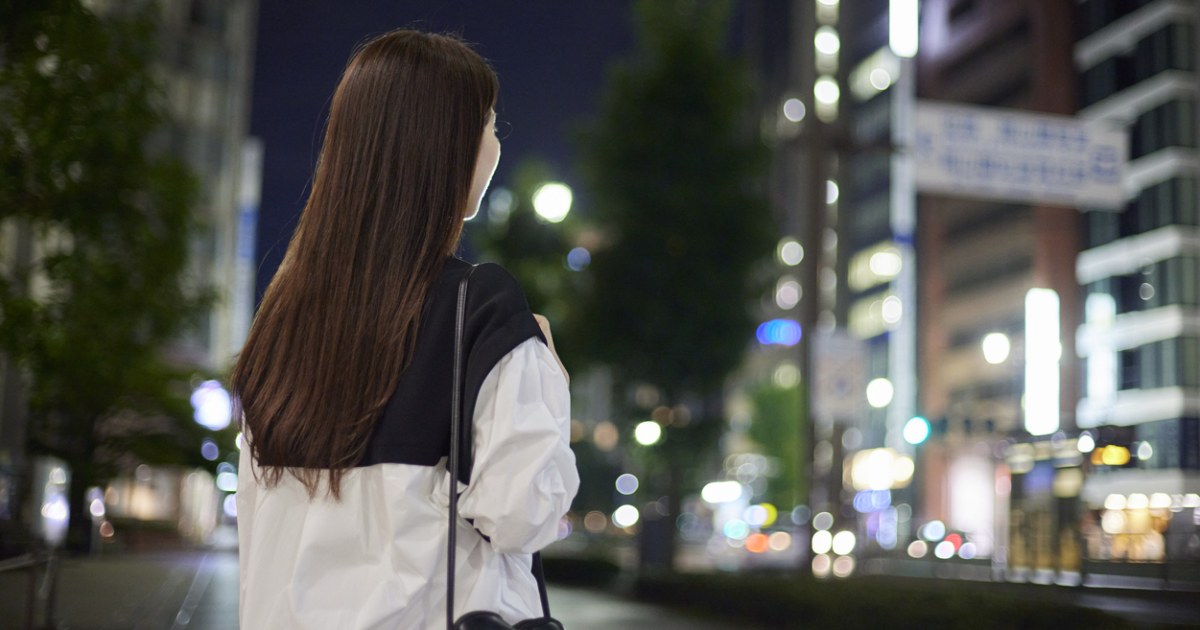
(491, 286)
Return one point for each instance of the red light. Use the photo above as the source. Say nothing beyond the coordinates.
(955, 540)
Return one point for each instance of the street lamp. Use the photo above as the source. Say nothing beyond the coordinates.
(552, 201)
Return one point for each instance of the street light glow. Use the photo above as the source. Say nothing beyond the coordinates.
(996, 347)
(880, 392)
(213, 406)
(647, 433)
(826, 90)
(794, 110)
(790, 252)
(827, 41)
(916, 430)
(1043, 349)
(552, 201)
(903, 27)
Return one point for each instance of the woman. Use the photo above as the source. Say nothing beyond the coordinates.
(345, 379)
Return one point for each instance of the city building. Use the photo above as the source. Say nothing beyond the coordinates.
(207, 63)
(978, 261)
(1139, 272)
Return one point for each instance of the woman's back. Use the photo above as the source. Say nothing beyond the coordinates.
(375, 556)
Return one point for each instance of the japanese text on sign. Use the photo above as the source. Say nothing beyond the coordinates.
(1017, 156)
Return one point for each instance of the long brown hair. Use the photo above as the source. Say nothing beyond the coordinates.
(337, 324)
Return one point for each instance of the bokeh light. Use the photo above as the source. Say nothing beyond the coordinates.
(916, 430)
(227, 481)
(213, 408)
(552, 201)
(595, 522)
(578, 259)
(794, 110)
(605, 436)
(721, 491)
(822, 541)
(821, 565)
(843, 567)
(736, 529)
(843, 543)
(996, 347)
(879, 393)
(627, 484)
(625, 516)
(790, 252)
(647, 433)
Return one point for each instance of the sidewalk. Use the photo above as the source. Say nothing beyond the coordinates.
(198, 590)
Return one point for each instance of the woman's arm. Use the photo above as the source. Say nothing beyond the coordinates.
(524, 477)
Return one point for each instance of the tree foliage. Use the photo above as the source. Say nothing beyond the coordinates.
(88, 311)
(676, 172)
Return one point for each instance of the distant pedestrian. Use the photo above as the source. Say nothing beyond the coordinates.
(345, 381)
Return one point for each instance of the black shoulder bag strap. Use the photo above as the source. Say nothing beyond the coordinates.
(456, 431)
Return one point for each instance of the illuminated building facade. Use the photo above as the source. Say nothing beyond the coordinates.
(207, 61)
(1140, 276)
(998, 377)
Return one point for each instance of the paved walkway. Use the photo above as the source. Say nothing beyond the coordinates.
(199, 591)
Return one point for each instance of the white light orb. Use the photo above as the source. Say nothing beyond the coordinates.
(996, 348)
(893, 309)
(647, 433)
(880, 79)
(843, 543)
(880, 392)
(793, 109)
(227, 481)
(790, 252)
(627, 484)
(827, 41)
(832, 194)
(822, 541)
(826, 90)
(916, 430)
(552, 201)
(625, 516)
(885, 264)
(787, 294)
(717, 492)
(213, 406)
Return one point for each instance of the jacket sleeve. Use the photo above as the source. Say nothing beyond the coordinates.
(245, 498)
(524, 476)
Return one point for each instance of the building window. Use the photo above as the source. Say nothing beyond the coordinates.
(1172, 124)
(1169, 48)
(1130, 366)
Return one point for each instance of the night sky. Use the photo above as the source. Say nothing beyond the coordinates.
(551, 56)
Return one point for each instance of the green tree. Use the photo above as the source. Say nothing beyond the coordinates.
(779, 436)
(675, 171)
(88, 311)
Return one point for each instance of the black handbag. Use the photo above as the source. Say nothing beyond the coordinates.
(479, 619)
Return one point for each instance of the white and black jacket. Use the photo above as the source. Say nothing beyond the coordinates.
(376, 558)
